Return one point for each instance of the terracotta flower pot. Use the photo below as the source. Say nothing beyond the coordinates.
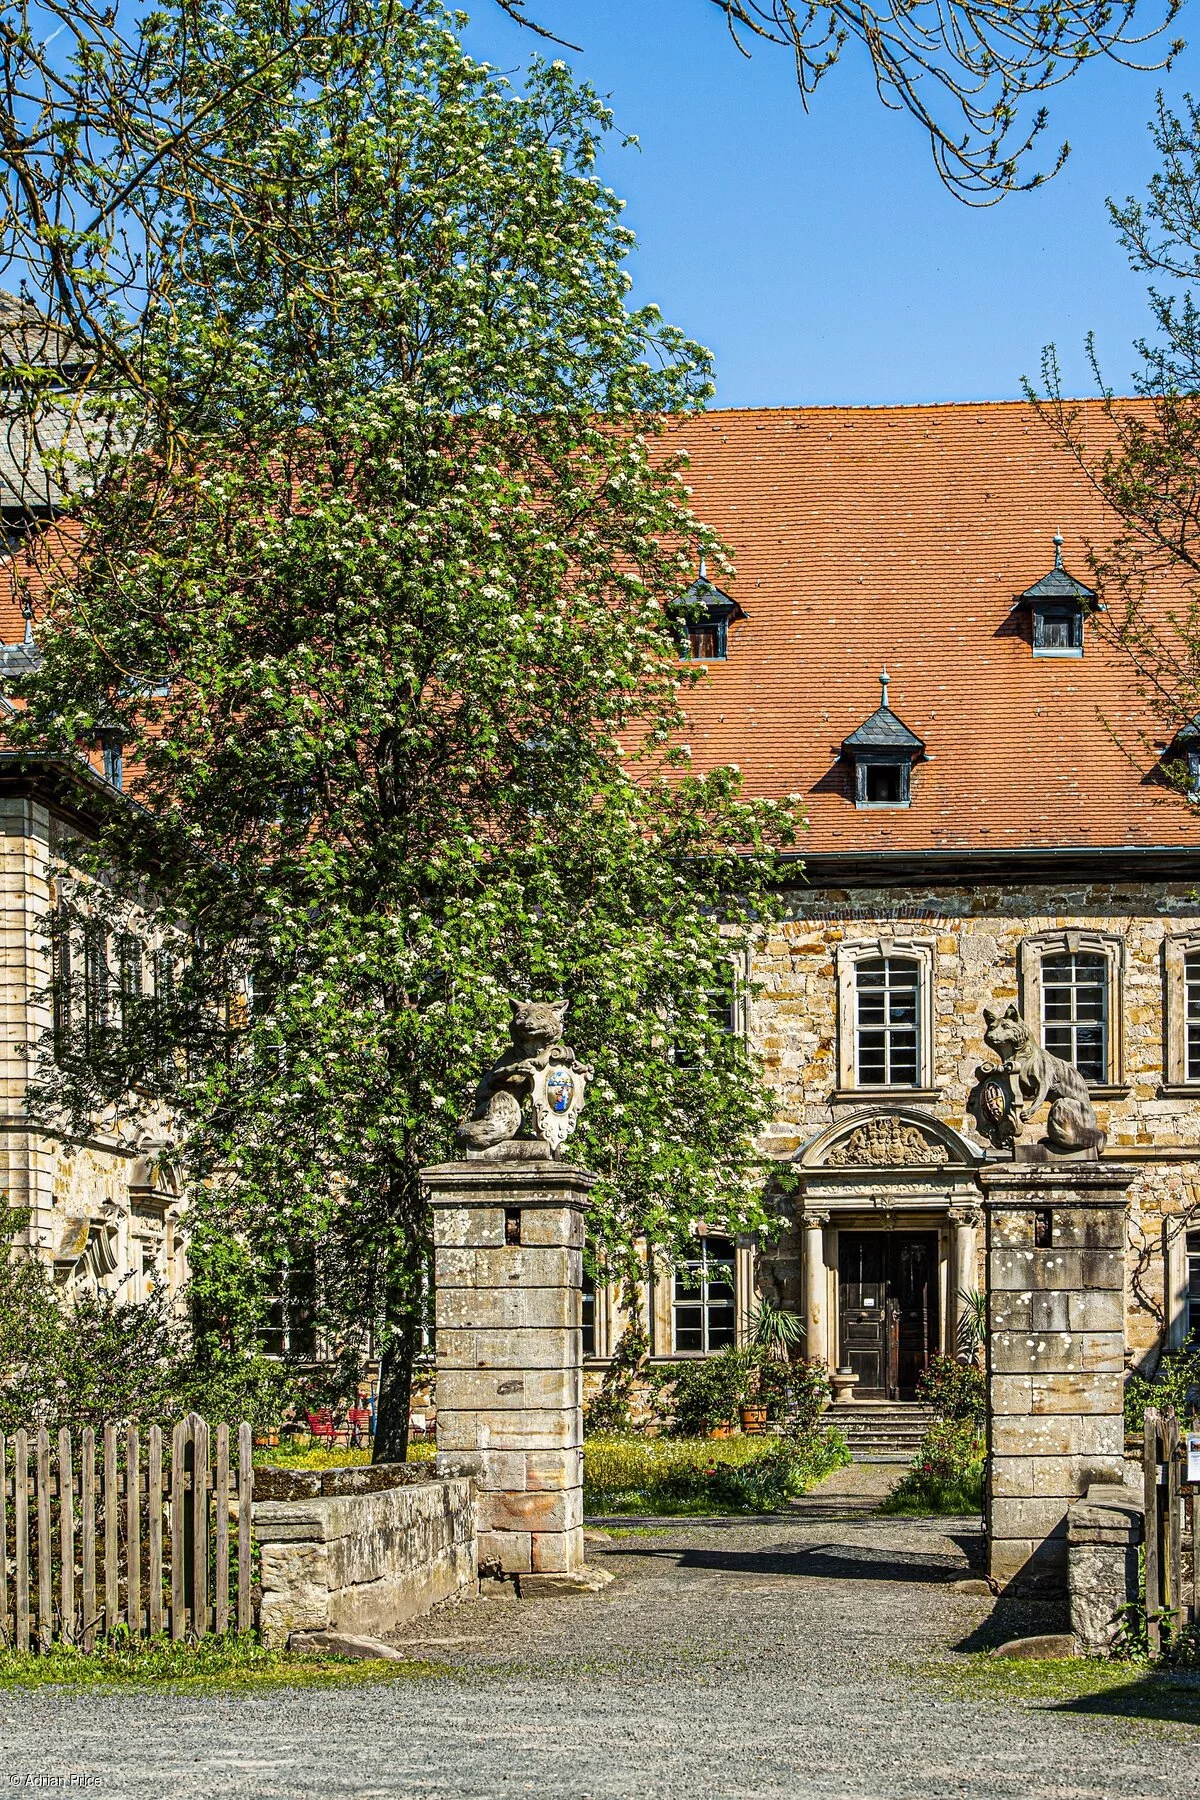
(754, 1419)
(721, 1431)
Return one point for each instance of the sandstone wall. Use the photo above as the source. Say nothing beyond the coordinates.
(973, 935)
(361, 1561)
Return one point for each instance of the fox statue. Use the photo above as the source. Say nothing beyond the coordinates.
(1072, 1123)
(537, 1067)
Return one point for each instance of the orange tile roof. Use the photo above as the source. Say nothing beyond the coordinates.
(900, 536)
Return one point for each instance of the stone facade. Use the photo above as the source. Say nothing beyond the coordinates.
(104, 1213)
(976, 944)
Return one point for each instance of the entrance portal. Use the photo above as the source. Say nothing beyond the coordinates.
(887, 1309)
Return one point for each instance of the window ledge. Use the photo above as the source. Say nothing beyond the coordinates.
(1057, 655)
(1110, 1090)
(898, 1095)
(1179, 1090)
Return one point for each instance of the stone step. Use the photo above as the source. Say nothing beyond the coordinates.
(882, 1431)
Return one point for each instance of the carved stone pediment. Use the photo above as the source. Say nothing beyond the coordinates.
(887, 1142)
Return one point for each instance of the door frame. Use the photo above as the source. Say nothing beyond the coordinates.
(934, 1233)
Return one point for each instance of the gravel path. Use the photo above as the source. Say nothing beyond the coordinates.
(727, 1660)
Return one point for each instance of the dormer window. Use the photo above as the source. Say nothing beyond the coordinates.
(882, 752)
(1056, 605)
(701, 619)
(1185, 748)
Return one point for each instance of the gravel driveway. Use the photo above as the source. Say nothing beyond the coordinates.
(731, 1660)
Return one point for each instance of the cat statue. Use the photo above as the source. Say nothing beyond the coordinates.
(539, 1068)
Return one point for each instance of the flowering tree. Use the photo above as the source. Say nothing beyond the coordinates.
(373, 598)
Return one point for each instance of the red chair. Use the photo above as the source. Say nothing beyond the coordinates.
(358, 1420)
(320, 1424)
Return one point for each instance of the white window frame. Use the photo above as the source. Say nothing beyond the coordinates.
(1176, 951)
(1071, 942)
(922, 952)
(701, 1296)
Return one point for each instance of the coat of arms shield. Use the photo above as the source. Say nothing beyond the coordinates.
(557, 1098)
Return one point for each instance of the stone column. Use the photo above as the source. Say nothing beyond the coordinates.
(508, 1276)
(816, 1288)
(1055, 1354)
(964, 1268)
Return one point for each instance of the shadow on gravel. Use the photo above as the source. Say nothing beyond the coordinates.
(1174, 1697)
(1018, 1616)
(828, 1562)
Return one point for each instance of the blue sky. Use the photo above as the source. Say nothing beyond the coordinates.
(818, 256)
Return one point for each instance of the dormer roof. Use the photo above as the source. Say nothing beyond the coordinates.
(883, 731)
(1059, 583)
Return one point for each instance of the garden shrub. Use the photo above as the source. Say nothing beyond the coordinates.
(1177, 1373)
(701, 1396)
(955, 1390)
(947, 1476)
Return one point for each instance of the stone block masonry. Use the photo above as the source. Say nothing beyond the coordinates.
(370, 1550)
(508, 1280)
(1055, 1354)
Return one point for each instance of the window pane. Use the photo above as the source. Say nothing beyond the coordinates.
(1075, 1012)
(1193, 1256)
(689, 1333)
(887, 1047)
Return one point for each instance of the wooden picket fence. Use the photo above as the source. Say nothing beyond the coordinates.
(1172, 1528)
(121, 1542)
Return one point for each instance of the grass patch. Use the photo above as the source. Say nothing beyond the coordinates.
(318, 1456)
(1080, 1684)
(914, 1499)
(946, 1475)
(214, 1663)
(683, 1477)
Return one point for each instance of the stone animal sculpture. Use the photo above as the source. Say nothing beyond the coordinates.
(1071, 1123)
(538, 1069)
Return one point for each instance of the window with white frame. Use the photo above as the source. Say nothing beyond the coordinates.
(704, 1302)
(887, 1022)
(1075, 1011)
(1193, 1285)
(885, 1014)
(1181, 1004)
(1191, 1016)
(1071, 997)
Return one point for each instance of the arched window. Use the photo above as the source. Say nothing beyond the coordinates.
(887, 1022)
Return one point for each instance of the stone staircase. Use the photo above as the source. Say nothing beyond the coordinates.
(881, 1431)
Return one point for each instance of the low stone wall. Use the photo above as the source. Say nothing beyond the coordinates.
(360, 1550)
(1104, 1533)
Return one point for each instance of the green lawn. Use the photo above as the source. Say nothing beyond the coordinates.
(215, 1663)
(1080, 1684)
(313, 1456)
(694, 1476)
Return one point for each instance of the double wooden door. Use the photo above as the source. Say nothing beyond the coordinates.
(887, 1309)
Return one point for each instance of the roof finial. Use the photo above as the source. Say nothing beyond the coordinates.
(884, 678)
(27, 615)
(703, 566)
(1058, 544)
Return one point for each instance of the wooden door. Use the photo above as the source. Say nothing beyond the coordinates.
(887, 1309)
(862, 1309)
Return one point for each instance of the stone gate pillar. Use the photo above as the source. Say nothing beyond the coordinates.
(508, 1277)
(1055, 1353)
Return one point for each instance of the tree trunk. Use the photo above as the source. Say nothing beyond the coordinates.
(395, 1395)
